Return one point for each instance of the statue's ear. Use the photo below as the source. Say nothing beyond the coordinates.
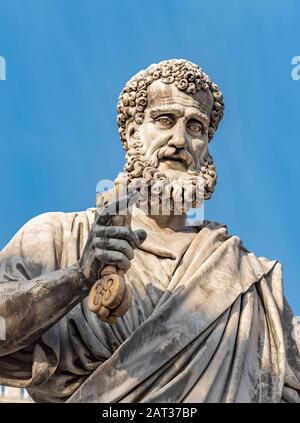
(131, 131)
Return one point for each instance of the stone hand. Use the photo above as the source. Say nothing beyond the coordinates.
(109, 245)
(106, 257)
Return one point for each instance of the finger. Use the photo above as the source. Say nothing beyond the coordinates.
(114, 258)
(141, 234)
(115, 245)
(119, 232)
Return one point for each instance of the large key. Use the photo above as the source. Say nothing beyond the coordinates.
(110, 297)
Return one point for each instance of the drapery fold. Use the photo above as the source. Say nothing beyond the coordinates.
(208, 323)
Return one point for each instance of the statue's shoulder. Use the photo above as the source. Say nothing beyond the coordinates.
(227, 234)
(49, 231)
(52, 227)
(53, 220)
(213, 225)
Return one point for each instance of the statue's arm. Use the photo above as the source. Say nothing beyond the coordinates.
(35, 292)
(29, 307)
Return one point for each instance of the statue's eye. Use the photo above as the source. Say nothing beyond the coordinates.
(195, 126)
(165, 120)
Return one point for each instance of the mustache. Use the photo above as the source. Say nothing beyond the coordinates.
(138, 168)
(171, 153)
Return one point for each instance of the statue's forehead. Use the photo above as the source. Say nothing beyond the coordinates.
(161, 94)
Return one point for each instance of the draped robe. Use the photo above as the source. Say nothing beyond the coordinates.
(208, 323)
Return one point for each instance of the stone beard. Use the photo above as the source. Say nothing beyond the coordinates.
(208, 322)
(167, 115)
(169, 191)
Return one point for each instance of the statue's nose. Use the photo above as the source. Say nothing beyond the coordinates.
(178, 139)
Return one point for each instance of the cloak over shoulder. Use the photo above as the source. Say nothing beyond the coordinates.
(209, 322)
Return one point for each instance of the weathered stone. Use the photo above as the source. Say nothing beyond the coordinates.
(208, 320)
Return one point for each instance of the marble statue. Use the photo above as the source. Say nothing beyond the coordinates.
(207, 320)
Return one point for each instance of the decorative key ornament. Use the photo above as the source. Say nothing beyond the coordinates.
(110, 296)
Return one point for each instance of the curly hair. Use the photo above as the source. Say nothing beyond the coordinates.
(185, 75)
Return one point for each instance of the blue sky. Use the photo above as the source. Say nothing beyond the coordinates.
(66, 64)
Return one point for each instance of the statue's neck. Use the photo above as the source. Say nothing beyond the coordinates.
(176, 223)
(158, 222)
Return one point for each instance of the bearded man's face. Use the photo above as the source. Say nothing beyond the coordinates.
(172, 142)
(176, 123)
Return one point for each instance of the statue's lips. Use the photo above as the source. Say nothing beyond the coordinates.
(175, 160)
